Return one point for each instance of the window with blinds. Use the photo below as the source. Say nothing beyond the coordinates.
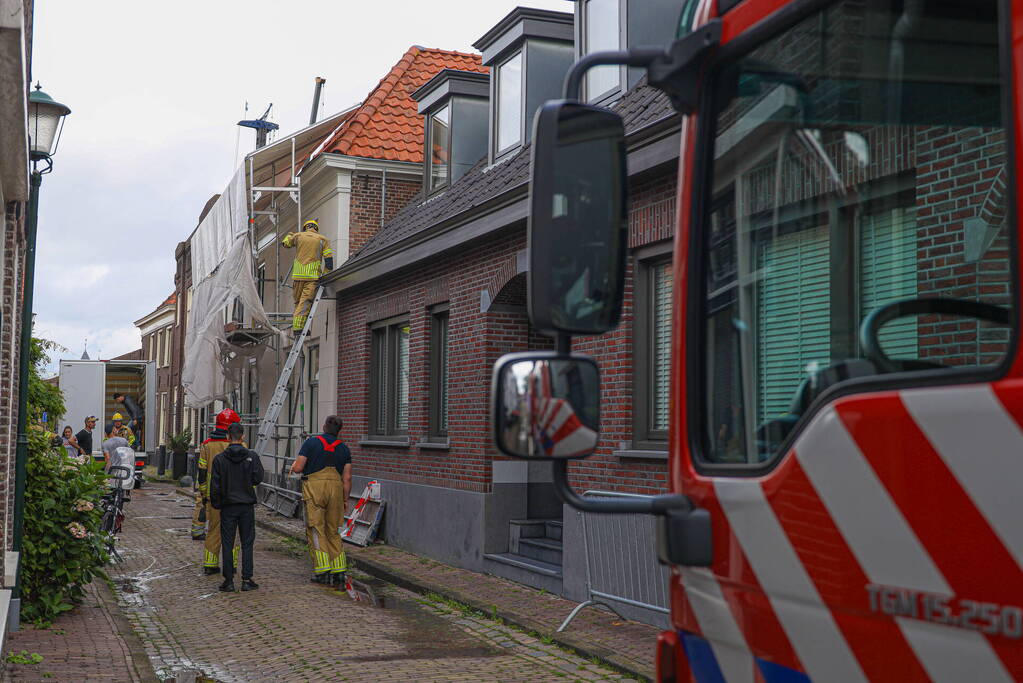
(439, 372)
(389, 375)
(652, 359)
(660, 347)
(401, 371)
(888, 272)
(793, 316)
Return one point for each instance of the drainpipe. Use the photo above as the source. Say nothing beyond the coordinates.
(316, 99)
(383, 196)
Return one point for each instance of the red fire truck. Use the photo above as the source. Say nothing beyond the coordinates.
(846, 438)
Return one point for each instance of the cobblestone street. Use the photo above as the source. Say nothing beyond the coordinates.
(293, 630)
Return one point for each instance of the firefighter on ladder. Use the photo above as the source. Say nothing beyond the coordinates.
(211, 448)
(309, 246)
(325, 464)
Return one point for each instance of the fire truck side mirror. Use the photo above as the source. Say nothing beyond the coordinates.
(578, 226)
(546, 406)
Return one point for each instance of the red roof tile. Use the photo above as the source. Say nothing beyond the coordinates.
(388, 125)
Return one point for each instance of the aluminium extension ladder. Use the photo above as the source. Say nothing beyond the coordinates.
(268, 425)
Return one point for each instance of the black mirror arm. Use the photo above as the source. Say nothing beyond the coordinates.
(639, 56)
(654, 505)
(676, 73)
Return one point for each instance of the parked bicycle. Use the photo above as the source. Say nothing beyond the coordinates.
(113, 505)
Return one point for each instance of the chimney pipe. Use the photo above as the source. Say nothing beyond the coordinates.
(316, 99)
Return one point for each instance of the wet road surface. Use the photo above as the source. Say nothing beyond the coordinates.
(293, 630)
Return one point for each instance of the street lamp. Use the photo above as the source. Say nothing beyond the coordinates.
(45, 123)
(46, 120)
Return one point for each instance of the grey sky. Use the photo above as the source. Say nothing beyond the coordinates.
(155, 91)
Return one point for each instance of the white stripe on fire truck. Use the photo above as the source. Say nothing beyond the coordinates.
(952, 655)
(986, 458)
(872, 525)
(885, 545)
(718, 625)
(807, 622)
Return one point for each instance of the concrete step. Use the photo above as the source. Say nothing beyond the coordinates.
(553, 529)
(527, 528)
(524, 570)
(543, 549)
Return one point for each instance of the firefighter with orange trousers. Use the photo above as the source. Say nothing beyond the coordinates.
(325, 464)
(310, 246)
(211, 448)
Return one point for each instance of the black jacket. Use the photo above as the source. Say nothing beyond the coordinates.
(235, 472)
(85, 440)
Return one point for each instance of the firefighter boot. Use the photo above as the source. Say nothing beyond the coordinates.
(210, 571)
(339, 579)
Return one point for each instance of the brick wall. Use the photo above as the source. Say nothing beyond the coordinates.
(182, 283)
(960, 187)
(475, 340)
(365, 209)
(11, 291)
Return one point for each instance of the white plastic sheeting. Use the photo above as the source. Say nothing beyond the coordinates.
(222, 268)
(216, 234)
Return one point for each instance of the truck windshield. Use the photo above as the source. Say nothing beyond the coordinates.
(860, 158)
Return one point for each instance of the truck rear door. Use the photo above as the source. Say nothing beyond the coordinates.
(82, 383)
(852, 392)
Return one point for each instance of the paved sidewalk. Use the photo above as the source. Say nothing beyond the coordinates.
(294, 630)
(626, 645)
(92, 642)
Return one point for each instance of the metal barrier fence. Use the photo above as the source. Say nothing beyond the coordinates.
(621, 567)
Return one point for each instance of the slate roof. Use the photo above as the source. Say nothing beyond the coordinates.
(640, 107)
(387, 125)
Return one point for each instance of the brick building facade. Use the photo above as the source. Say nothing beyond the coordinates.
(15, 78)
(158, 330)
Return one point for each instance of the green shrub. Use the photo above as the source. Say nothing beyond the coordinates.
(63, 547)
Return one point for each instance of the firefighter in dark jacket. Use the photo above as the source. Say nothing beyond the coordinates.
(325, 464)
(236, 472)
(209, 450)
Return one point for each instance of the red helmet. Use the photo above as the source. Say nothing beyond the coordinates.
(225, 418)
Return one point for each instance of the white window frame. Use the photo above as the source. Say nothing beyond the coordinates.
(581, 40)
(500, 152)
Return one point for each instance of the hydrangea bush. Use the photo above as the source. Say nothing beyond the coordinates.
(63, 547)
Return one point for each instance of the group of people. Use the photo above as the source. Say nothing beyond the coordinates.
(225, 507)
(130, 430)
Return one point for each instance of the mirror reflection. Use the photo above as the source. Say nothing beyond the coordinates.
(549, 408)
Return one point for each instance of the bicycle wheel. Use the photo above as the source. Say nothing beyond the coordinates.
(106, 523)
(118, 510)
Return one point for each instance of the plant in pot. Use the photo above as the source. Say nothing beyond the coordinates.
(179, 444)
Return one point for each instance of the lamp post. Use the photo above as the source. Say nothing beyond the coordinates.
(45, 123)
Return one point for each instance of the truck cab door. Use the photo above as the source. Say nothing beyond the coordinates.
(850, 410)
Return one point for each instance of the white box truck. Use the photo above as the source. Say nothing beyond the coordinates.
(89, 386)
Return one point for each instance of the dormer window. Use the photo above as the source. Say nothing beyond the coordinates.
(621, 25)
(601, 30)
(455, 104)
(509, 103)
(529, 53)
